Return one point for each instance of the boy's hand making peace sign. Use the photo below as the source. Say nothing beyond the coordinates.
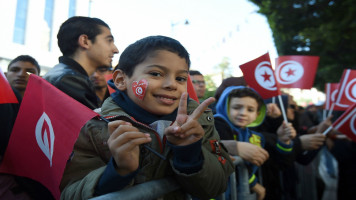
(186, 129)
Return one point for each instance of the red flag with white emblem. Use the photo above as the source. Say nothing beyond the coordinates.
(346, 123)
(6, 93)
(46, 128)
(259, 75)
(296, 71)
(190, 89)
(347, 88)
(331, 92)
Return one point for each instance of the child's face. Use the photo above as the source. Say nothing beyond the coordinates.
(243, 111)
(166, 74)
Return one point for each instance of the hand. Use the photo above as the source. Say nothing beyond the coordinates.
(273, 110)
(124, 144)
(252, 153)
(286, 132)
(312, 141)
(186, 128)
(259, 190)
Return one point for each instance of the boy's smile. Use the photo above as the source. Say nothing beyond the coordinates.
(166, 74)
(242, 111)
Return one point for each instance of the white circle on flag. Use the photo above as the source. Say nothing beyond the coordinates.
(352, 124)
(350, 90)
(333, 99)
(289, 72)
(264, 76)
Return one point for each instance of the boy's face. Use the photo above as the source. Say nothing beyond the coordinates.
(103, 49)
(243, 111)
(166, 75)
(17, 74)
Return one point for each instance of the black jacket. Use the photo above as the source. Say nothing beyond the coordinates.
(72, 79)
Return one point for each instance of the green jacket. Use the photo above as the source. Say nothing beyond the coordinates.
(91, 154)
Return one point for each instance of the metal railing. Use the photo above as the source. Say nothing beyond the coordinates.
(157, 188)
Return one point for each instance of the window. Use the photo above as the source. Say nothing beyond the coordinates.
(20, 22)
(48, 17)
(72, 8)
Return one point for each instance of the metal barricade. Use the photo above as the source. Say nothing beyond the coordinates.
(157, 188)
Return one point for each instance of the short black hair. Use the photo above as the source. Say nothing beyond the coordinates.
(194, 72)
(25, 58)
(247, 92)
(73, 27)
(137, 52)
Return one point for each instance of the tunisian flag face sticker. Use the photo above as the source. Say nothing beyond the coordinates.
(139, 88)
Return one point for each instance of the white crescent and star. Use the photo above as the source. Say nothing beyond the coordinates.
(264, 76)
(289, 72)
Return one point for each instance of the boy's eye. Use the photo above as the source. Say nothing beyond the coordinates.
(155, 74)
(181, 79)
(251, 110)
(14, 69)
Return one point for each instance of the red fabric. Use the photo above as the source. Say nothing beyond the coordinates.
(46, 128)
(346, 123)
(6, 93)
(347, 88)
(296, 71)
(259, 75)
(331, 92)
(191, 91)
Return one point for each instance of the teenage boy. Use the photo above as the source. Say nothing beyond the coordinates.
(150, 107)
(18, 69)
(86, 44)
(238, 109)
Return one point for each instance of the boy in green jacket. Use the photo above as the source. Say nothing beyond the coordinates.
(149, 108)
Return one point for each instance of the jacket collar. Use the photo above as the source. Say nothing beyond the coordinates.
(74, 64)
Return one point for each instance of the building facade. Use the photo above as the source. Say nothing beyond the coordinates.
(30, 27)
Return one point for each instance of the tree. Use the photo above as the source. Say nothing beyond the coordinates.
(323, 28)
(224, 69)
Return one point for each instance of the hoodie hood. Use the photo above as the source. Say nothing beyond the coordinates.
(222, 107)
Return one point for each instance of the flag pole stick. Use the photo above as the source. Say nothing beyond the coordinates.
(331, 109)
(327, 130)
(324, 114)
(145, 145)
(282, 108)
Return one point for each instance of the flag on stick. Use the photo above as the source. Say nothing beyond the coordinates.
(346, 123)
(46, 128)
(331, 92)
(296, 71)
(347, 88)
(6, 93)
(259, 75)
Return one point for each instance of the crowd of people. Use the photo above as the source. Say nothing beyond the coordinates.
(150, 106)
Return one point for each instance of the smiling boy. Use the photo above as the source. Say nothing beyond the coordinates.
(150, 107)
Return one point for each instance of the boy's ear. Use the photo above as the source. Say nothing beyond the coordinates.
(119, 79)
(83, 41)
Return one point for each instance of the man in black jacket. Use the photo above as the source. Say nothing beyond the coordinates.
(86, 43)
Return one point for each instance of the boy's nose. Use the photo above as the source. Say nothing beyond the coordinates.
(170, 83)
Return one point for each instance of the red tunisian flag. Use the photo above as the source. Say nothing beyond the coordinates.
(347, 88)
(191, 90)
(331, 91)
(296, 71)
(346, 123)
(6, 93)
(46, 128)
(259, 75)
